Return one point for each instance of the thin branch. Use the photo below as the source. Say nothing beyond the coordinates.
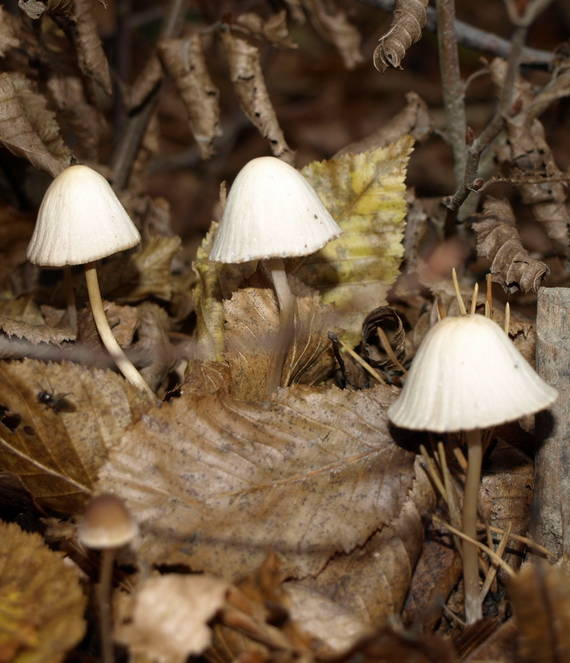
(128, 147)
(477, 39)
(452, 85)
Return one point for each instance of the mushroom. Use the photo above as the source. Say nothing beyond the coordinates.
(106, 525)
(273, 213)
(80, 221)
(468, 376)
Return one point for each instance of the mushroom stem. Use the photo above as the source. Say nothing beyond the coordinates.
(104, 604)
(470, 556)
(287, 301)
(109, 341)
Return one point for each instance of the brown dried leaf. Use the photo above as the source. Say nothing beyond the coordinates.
(250, 338)
(76, 19)
(27, 127)
(215, 480)
(247, 76)
(408, 20)
(413, 119)
(16, 229)
(274, 29)
(331, 23)
(540, 596)
(529, 155)
(8, 34)
(56, 451)
(23, 318)
(145, 82)
(185, 62)
(168, 616)
(41, 602)
(498, 240)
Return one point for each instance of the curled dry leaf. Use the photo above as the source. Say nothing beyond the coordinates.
(27, 127)
(365, 195)
(215, 481)
(23, 318)
(274, 29)
(247, 77)
(57, 423)
(185, 63)
(529, 156)
(41, 602)
(540, 596)
(167, 619)
(331, 23)
(413, 119)
(498, 240)
(76, 19)
(408, 20)
(250, 337)
(372, 349)
(8, 34)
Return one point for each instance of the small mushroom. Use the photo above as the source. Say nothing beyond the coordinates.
(273, 213)
(467, 376)
(80, 221)
(107, 526)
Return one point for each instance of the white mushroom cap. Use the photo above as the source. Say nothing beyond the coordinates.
(467, 374)
(271, 212)
(80, 220)
(106, 523)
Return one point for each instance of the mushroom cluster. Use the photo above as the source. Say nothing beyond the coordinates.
(468, 376)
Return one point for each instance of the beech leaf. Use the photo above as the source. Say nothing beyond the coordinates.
(56, 448)
(41, 602)
(408, 20)
(216, 480)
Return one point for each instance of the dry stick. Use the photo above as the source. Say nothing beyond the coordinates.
(460, 301)
(473, 37)
(517, 537)
(491, 131)
(131, 139)
(432, 472)
(492, 554)
(109, 341)
(493, 569)
(385, 342)
(474, 296)
(358, 359)
(452, 506)
(489, 296)
(507, 320)
(452, 85)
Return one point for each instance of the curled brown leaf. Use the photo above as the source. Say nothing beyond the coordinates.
(331, 23)
(498, 240)
(185, 62)
(408, 20)
(8, 35)
(247, 76)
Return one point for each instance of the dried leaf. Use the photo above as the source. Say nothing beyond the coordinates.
(27, 127)
(76, 19)
(247, 77)
(41, 602)
(23, 318)
(365, 194)
(16, 229)
(168, 616)
(529, 156)
(408, 20)
(331, 23)
(148, 78)
(274, 29)
(8, 35)
(215, 480)
(56, 451)
(185, 63)
(498, 240)
(540, 596)
(250, 337)
(413, 119)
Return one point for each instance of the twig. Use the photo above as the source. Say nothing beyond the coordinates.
(452, 85)
(493, 569)
(491, 131)
(472, 37)
(128, 147)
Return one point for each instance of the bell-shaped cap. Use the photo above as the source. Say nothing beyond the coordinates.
(106, 523)
(271, 212)
(80, 220)
(467, 374)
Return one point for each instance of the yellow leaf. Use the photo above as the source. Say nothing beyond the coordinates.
(365, 195)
